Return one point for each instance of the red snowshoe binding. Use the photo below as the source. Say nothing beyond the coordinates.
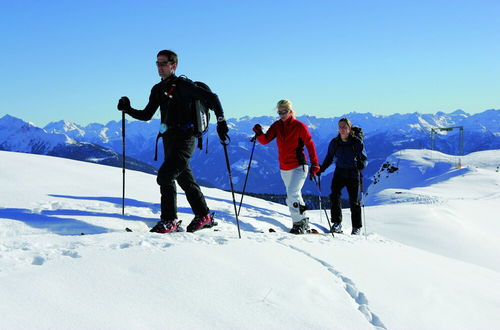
(198, 223)
(164, 226)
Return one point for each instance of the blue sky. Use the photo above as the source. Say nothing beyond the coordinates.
(73, 59)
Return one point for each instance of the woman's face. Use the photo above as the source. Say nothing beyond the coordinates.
(344, 130)
(284, 113)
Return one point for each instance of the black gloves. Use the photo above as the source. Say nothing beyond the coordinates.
(360, 165)
(222, 130)
(124, 104)
(321, 170)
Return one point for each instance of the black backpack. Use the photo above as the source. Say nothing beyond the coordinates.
(358, 132)
(201, 115)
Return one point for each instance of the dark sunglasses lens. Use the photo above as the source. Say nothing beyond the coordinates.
(284, 112)
(162, 63)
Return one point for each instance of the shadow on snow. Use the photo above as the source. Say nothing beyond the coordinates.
(42, 220)
(268, 216)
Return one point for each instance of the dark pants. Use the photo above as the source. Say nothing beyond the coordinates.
(178, 150)
(348, 178)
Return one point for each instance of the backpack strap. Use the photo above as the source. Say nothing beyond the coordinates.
(335, 145)
(163, 126)
(356, 154)
(200, 142)
(358, 159)
(156, 145)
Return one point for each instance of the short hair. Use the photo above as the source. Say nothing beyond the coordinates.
(287, 104)
(170, 55)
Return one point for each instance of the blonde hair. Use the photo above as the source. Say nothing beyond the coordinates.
(287, 104)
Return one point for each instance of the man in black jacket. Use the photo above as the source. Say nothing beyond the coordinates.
(175, 96)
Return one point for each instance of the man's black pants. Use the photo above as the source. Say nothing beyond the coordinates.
(178, 149)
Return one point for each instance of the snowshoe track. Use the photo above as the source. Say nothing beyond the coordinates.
(349, 286)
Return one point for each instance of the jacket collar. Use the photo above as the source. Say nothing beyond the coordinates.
(288, 121)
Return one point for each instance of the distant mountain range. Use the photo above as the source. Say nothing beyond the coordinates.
(384, 135)
(18, 135)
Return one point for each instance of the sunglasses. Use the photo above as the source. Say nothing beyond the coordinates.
(283, 112)
(162, 63)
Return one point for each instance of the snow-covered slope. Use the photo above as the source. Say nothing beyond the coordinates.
(53, 278)
(445, 204)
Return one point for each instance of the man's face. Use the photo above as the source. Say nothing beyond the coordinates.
(165, 68)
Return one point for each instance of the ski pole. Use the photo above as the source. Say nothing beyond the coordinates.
(231, 183)
(318, 186)
(320, 205)
(123, 162)
(363, 219)
(254, 139)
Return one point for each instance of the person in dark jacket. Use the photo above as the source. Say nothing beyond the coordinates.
(350, 158)
(175, 96)
(291, 136)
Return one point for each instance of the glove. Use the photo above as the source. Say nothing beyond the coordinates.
(360, 165)
(222, 130)
(258, 129)
(124, 104)
(314, 170)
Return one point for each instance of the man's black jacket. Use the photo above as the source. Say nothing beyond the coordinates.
(176, 111)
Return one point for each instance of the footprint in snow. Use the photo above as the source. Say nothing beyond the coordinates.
(125, 245)
(350, 287)
(72, 254)
(38, 261)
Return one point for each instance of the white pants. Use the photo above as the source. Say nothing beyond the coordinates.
(294, 180)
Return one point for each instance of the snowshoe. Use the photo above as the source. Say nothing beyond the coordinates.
(300, 227)
(166, 226)
(356, 231)
(198, 223)
(337, 228)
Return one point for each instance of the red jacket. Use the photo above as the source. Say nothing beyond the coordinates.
(291, 136)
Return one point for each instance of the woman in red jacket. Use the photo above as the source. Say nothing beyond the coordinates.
(291, 136)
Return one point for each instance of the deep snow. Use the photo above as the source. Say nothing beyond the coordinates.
(406, 274)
